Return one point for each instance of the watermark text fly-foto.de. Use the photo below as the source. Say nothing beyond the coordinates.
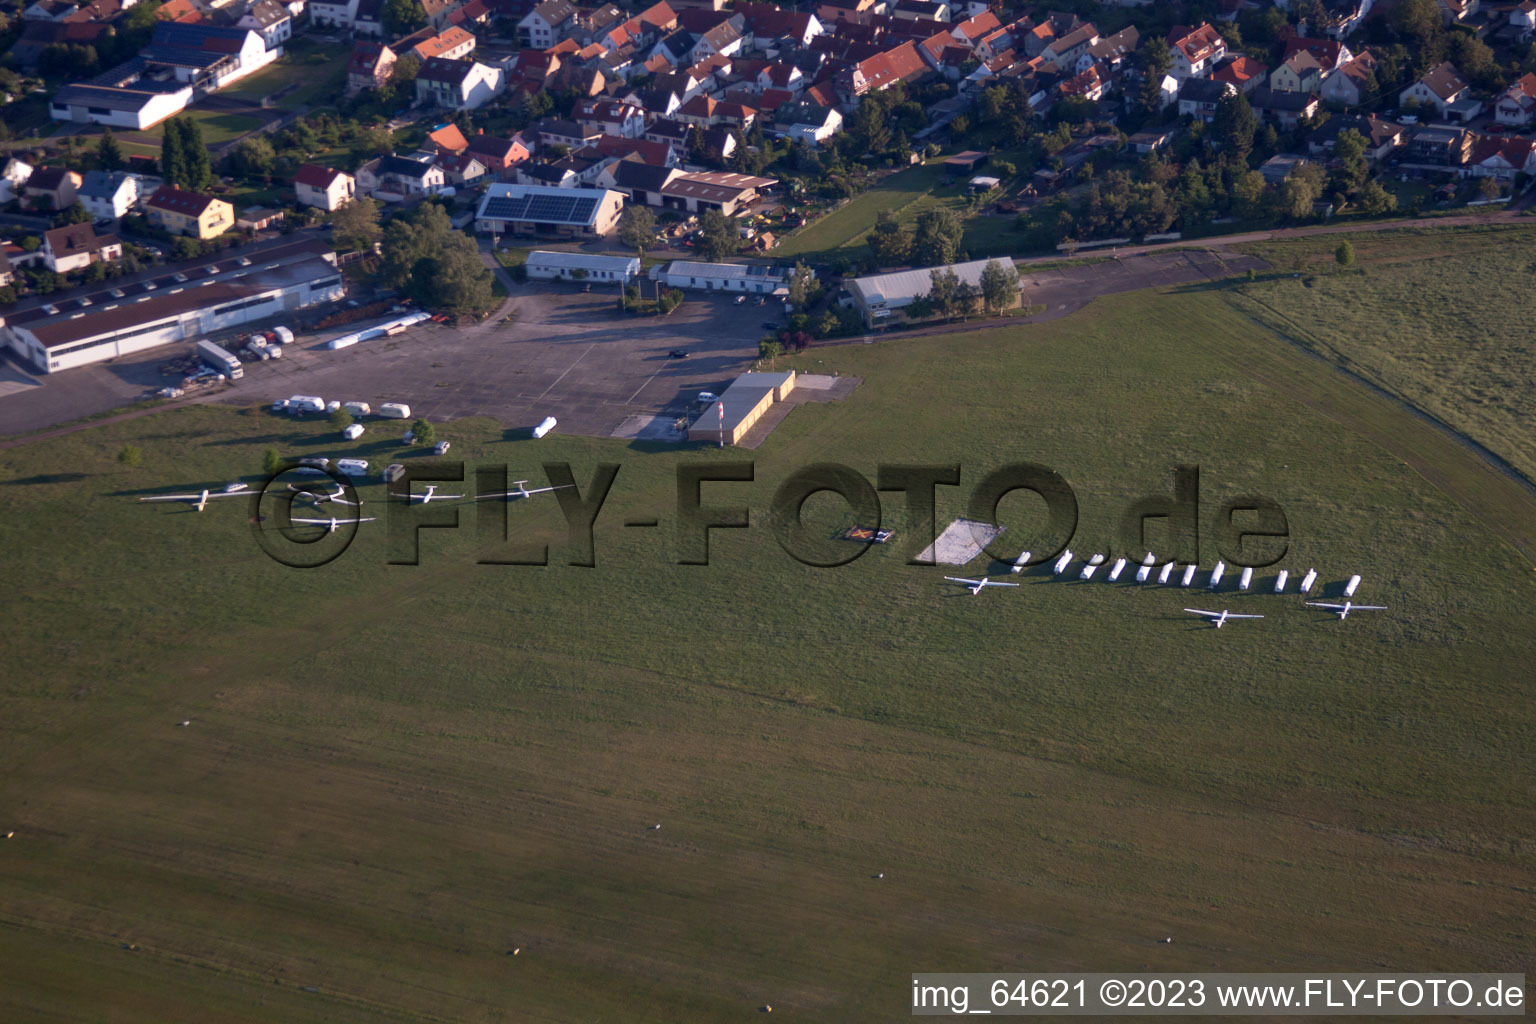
(1248, 530)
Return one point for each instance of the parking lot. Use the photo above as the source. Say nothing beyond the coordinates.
(564, 353)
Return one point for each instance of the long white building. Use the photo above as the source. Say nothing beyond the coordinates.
(171, 304)
(880, 295)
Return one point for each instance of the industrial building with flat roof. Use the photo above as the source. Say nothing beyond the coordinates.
(170, 304)
(724, 277)
(881, 295)
(729, 417)
(580, 266)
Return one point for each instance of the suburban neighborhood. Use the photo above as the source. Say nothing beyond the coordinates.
(845, 140)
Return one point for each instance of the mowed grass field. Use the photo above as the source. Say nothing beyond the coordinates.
(397, 774)
(1436, 317)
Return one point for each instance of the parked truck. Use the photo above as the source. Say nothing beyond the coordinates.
(219, 359)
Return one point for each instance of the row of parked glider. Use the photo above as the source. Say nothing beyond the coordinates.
(199, 501)
(1218, 619)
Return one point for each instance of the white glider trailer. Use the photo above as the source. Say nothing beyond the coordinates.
(1280, 581)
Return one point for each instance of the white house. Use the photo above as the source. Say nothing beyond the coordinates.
(333, 13)
(271, 20)
(77, 246)
(323, 188)
(722, 277)
(108, 196)
(138, 105)
(1194, 53)
(546, 24)
(1517, 107)
(1439, 88)
(458, 84)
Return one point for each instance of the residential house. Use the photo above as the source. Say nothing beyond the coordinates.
(50, 188)
(546, 24)
(808, 122)
(1243, 73)
(1522, 19)
(1195, 52)
(1300, 72)
(1111, 52)
(323, 187)
(1286, 109)
(1438, 146)
(457, 84)
(391, 177)
(270, 19)
(1381, 137)
(1064, 50)
(333, 13)
(108, 196)
(611, 117)
(452, 43)
(369, 67)
(1198, 97)
(902, 64)
(499, 155)
(572, 136)
(461, 168)
(1441, 87)
(773, 26)
(1517, 107)
(446, 138)
(77, 246)
(1502, 157)
(181, 212)
(369, 20)
(1354, 83)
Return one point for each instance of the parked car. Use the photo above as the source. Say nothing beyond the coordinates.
(441, 448)
(170, 392)
(740, 299)
(316, 461)
(678, 353)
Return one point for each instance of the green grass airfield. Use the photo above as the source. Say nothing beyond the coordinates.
(396, 774)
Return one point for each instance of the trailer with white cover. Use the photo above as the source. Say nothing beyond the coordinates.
(1280, 581)
(1351, 586)
(1114, 574)
(1242, 584)
(1216, 573)
(1146, 568)
(1189, 575)
(1088, 570)
(220, 359)
(353, 431)
(394, 410)
(545, 426)
(1162, 577)
(306, 403)
(1062, 563)
(1020, 562)
(357, 408)
(1307, 581)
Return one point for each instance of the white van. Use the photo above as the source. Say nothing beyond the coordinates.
(284, 335)
(306, 403)
(352, 467)
(395, 410)
(357, 408)
(353, 431)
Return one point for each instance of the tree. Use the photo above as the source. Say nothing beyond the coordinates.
(1416, 19)
(717, 236)
(1375, 200)
(341, 419)
(252, 157)
(422, 432)
(355, 225)
(1489, 188)
(1233, 125)
(74, 213)
(195, 153)
(1344, 255)
(637, 228)
(1248, 194)
(375, 140)
(130, 455)
(943, 290)
(454, 280)
(937, 238)
(109, 154)
(272, 462)
(401, 87)
(802, 286)
(1349, 150)
(173, 162)
(402, 17)
(889, 243)
(1155, 59)
(769, 349)
(999, 284)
